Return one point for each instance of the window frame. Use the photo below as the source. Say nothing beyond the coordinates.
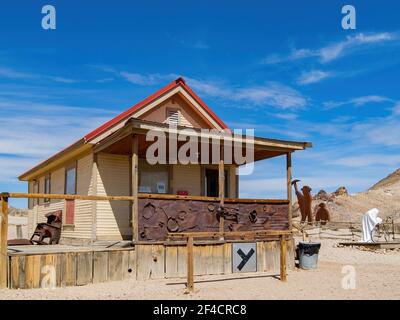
(73, 165)
(47, 178)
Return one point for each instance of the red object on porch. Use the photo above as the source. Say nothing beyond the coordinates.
(182, 193)
(69, 211)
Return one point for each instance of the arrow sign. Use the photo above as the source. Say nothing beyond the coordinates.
(244, 257)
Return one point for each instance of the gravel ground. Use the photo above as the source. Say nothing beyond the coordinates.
(377, 277)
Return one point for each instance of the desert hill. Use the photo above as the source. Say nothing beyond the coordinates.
(384, 195)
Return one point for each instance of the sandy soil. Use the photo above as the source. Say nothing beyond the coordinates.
(377, 277)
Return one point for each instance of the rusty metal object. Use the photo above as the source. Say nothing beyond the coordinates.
(176, 215)
(19, 242)
(304, 199)
(322, 214)
(51, 229)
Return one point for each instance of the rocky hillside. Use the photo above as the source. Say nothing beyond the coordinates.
(384, 195)
(390, 182)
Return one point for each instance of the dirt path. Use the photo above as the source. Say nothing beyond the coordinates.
(377, 277)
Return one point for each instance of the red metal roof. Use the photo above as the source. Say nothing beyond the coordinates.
(126, 114)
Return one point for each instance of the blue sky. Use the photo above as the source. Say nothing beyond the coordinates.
(285, 68)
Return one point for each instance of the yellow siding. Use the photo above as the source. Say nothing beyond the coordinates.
(83, 209)
(187, 178)
(113, 179)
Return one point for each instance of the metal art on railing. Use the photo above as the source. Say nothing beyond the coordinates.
(158, 217)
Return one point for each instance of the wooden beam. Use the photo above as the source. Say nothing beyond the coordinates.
(283, 258)
(190, 265)
(3, 242)
(289, 187)
(65, 196)
(211, 199)
(221, 187)
(95, 173)
(135, 187)
(209, 234)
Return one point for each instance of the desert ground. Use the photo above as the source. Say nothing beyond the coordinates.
(376, 277)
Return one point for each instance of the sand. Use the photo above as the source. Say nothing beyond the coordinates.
(377, 277)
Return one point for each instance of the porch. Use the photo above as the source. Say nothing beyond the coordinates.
(184, 197)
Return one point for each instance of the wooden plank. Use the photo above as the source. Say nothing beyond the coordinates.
(84, 264)
(182, 261)
(32, 271)
(132, 264)
(100, 267)
(198, 260)
(209, 260)
(14, 272)
(240, 234)
(125, 265)
(218, 258)
(143, 260)
(289, 187)
(158, 262)
(171, 262)
(261, 263)
(68, 277)
(67, 196)
(221, 187)
(209, 199)
(21, 272)
(227, 258)
(3, 242)
(150, 262)
(190, 284)
(283, 251)
(135, 187)
(114, 265)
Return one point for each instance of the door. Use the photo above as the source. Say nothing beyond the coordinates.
(211, 183)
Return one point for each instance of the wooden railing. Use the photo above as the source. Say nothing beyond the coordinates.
(248, 235)
(4, 218)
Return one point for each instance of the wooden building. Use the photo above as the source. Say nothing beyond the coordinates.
(172, 197)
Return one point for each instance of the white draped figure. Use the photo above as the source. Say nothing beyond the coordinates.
(369, 221)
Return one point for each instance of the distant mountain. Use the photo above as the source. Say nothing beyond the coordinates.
(391, 181)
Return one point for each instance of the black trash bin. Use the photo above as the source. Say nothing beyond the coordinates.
(308, 254)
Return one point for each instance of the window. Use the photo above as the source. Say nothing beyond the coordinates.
(47, 187)
(153, 179)
(70, 180)
(173, 116)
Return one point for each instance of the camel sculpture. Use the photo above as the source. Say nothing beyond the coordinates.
(304, 200)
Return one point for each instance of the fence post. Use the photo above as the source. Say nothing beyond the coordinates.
(190, 282)
(283, 258)
(3, 241)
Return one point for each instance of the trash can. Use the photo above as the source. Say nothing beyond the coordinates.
(308, 254)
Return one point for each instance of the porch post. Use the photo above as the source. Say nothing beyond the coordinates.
(95, 173)
(134, 187)
(3, 241)
(221, 186)
(289, 186)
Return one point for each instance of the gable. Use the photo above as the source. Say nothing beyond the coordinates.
(176, 88)
(176, 109)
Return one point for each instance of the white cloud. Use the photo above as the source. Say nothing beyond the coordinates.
(271, 93)
(368, 160)
(146, 79)
(14, 74)
(313, 76)
(334, 50)
(358, 101)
